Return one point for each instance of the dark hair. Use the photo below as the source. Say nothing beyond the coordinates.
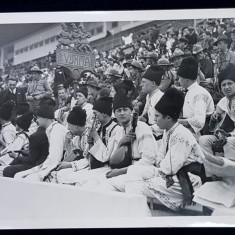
(223, 26)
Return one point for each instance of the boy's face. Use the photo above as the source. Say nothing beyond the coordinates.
(228, 88)
(12, 84)
(98, 115)
(162, 121)
(123, 115)
(147, 85)
(75, 130)
(80, 98)
(62, 94)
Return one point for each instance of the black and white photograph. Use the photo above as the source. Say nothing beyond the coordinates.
(115, 119)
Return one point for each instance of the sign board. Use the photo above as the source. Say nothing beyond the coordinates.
(128, 50)
(75, 59)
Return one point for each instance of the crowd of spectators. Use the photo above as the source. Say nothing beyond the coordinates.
(54, 126)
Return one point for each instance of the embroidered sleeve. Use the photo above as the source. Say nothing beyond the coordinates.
(178, 151)
(102, 152)
(197, 122)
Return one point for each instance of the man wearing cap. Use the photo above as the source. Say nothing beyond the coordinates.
(37, 89)
(143, 149)
(93, 89)
(114, 76)
(225, 56)
(177, 57)
(126, 65)
(150, 85)
(198, 104)
(205, 64)
(177, 148)
(136, 74)
(169, 76)
(100, 151)
(222, 29)
(183, 44)
(208, 41)
(56, 137)
(142, 142)
(220, 164)
(225, 106)
(150, 59)
(78, 131)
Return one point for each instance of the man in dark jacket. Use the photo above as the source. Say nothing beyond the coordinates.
(13, 94)
(38, 152)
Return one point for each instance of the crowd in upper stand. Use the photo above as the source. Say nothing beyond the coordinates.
(181, 86)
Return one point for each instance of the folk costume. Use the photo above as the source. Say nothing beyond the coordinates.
(143, 153)
(177, 148)
(56, 137)
(38, 152)
(198, 103)
(102, 148)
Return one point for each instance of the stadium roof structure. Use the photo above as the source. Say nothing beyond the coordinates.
(13, 32)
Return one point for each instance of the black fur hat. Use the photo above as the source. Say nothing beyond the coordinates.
(121, 101)
(171, 103)
(188, 68)
(154, 73)
(104, 105)
(24, 121)
(227, 73)
(77, 116)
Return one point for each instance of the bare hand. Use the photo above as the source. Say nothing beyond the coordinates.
(128, 138)
(215, 116)
(94, 134)
(30, 98)
(13, 154)
(64, 165)
(113, 173)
